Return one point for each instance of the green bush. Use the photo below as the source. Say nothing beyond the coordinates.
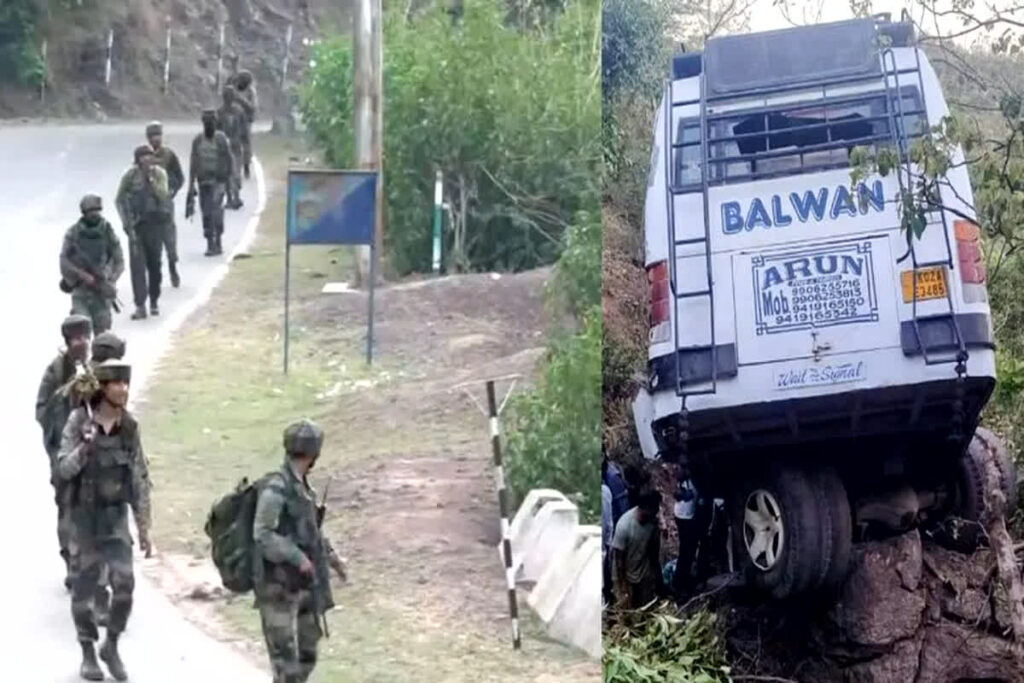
(579, 268)
(554, 440)
(20, 61)
(510, 117)
(664, 647)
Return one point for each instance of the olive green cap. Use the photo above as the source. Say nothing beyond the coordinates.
(107, 345)
(113, 370)
(303, 438)
(75, 325)
(91, 202)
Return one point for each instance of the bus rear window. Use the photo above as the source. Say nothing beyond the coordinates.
(799, 139)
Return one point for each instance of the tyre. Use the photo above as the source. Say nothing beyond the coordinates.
(970, 486)
(778, 532)
(837, 532)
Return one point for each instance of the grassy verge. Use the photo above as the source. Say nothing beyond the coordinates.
(412, 503)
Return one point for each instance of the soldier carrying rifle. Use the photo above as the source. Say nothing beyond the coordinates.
(91, 261)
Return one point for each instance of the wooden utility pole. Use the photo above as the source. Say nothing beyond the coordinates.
(378, 125)
(363, 87)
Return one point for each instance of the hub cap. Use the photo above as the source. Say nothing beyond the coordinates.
(763, 533)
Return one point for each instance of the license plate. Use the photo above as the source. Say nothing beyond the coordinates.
(931, 284)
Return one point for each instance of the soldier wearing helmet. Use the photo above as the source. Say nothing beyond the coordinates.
(231, 121)
(166, 159)
(210, 167)
(292, 584)
(245, 91)
(106, 346)
(101, 455)
(53, 406)
(91, 261)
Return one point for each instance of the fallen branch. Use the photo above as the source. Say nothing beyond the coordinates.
(1002, 546)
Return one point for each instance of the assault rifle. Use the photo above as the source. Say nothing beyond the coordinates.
(100, 284)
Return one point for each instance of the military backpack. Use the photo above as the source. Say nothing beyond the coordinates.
(229, 526)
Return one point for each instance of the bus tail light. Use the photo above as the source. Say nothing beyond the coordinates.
(968, 249)
(660, 292)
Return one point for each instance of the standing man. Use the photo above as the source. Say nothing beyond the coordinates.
(230, 121)
(91, 261)
(210, 165)
(168, 160)
(246, 97)
(293, 588)
(636, 567)
(143, 200)
(52, 410)
(688, 533)
(101, 457)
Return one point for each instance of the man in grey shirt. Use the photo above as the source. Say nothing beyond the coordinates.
(635, 554)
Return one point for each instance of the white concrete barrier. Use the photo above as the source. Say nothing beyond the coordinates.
(563, 570)
(552, 530)
(577, 618)
(521, 524)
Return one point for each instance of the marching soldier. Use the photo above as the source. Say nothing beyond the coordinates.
(91, 261)
(143, 200)
(52, 410)
(210, 165)
(245, 90)
(231, 122)
(168, 160)
(293, 590)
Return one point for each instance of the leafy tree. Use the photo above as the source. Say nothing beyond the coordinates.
(509, 116)
(20, 61)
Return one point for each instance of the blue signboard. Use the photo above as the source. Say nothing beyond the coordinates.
(331, 207)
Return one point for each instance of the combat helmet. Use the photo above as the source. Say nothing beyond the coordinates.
(154, 128)
(91, 202)
(113, 370)
(303, 437)
(75, 325)
(106, 346)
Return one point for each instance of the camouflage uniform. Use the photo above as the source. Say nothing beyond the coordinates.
(286, 532)
(210, 165)
(246, 97)
(52, 411)
(231, 122)
(143, 201)
(96, 249)
(106, 476)
(168, 161)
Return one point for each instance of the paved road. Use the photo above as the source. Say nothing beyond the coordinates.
(44, 170)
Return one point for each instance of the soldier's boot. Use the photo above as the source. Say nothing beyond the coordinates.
(210, 247)
(154, 309)
(140, 313)
(110, 657)
(172, 268)
(90, 669)
(217, 245)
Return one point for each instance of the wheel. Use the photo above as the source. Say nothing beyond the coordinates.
(837, 536)
(970, 486)
(778, 532)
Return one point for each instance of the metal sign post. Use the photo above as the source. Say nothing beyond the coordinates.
(327, 206)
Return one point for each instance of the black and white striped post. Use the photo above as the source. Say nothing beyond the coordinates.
(506, 543)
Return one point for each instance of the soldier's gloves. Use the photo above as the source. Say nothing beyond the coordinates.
(306, 568)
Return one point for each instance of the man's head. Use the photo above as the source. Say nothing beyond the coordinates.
(647, 506)
(244, 79)
(144, 156)
(303, 441)
(107, 346)
(76, 330)
(209, 119)
(228, 94)
(92, 209)
(114, 377)
(155, 134)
